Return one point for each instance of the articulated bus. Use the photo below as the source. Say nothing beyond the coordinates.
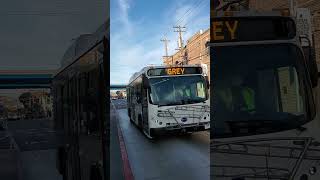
(80, 108)
(265, 123)
(169, 98)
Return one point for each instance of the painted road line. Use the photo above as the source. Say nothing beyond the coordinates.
(128, 175)
(126, 164)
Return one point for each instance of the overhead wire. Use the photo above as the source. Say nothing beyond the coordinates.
(192, 9)
(193, 19)
(182, 17)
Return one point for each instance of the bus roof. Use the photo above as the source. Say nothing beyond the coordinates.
(83, 44)
(145, 69)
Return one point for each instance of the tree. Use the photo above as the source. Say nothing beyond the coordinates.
(120, 94)
(24, 98)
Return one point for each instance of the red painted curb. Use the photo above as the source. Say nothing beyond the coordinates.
(126, 165)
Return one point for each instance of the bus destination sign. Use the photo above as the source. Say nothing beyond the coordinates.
(236, 29)
(174, 71)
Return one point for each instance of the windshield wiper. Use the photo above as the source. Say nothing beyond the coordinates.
(170, 104)
(160, 82)
(194, 100)
(255, 126)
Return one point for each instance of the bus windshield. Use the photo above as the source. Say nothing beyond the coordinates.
(177, 90)
(257, 89)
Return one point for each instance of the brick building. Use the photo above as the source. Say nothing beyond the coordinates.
(194, 52)
(313, 5)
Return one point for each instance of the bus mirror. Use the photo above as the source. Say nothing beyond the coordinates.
(207, 82)
(146, 84)
(313, 70)
(312, 65)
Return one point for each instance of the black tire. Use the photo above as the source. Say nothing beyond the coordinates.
(129, 113)
(131, 121)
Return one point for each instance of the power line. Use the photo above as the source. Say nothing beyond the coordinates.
(188, 12)
(191, 20)
(198, 5)
(181, 18)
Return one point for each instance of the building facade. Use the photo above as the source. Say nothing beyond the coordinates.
(194, 52)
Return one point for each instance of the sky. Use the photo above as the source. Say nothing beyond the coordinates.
(136, 27)
(34, 34)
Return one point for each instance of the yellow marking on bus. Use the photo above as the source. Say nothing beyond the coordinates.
(220, 27)
(175, 71)
(217, 28)
(233, 29)
(182, 70)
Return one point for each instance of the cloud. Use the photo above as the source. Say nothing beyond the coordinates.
(132, 51)
(124, 6)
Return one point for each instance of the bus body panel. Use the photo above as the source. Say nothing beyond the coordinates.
(79, 111)
(292, 153)
(151, 117)
(186, 115)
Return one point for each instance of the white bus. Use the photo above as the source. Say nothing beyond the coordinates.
(265, 118)
(169, 98)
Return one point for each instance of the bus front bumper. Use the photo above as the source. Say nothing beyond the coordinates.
(195, 127)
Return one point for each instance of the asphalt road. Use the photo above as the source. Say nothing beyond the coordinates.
(171, 157)
(36, 141)
(33, 135)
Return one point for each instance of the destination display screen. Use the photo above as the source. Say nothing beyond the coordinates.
(174, 71)
(237, 29)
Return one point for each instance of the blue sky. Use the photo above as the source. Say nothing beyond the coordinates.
(138, 25)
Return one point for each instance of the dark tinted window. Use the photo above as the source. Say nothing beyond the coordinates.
(251, 29)
(257, 89)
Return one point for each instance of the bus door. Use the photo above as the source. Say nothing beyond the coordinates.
(138, 101)
(145, 121)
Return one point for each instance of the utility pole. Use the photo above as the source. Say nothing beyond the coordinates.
(180, 30)
(165, 41)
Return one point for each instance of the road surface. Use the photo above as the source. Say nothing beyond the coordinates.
(36, 142)
(168, 158)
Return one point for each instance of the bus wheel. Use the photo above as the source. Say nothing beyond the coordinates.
(149, 136)
(129, 112)
(131, 120)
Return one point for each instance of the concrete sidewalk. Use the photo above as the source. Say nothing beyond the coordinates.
(116, 164)
(10, 158)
